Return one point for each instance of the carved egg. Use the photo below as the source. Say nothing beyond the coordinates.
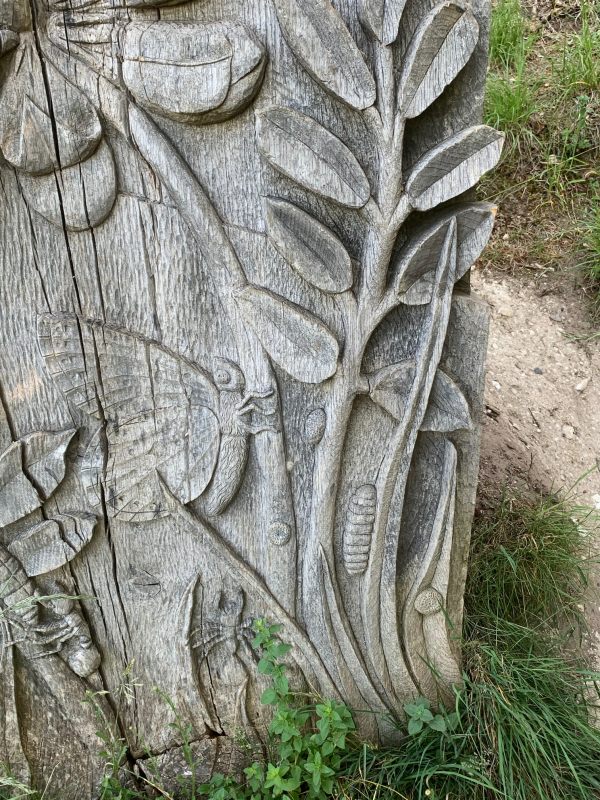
(429, 601)
(280, 533)
(314, 426)
(358, 530)
(192, 72)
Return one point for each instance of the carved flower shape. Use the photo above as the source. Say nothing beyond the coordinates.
(50, 132)
(188, 71)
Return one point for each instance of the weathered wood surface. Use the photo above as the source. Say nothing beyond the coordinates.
(238, 377)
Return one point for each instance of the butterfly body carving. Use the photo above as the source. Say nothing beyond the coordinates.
(158, 415)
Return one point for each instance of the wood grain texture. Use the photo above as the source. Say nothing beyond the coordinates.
(237, 378)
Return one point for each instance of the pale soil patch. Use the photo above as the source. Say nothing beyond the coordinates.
(542, 424)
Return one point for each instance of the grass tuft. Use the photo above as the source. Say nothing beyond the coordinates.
(522, 717)
(580, 65)
(508, 33)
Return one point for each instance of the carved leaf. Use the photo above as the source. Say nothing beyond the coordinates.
(382, 18)
(390, 386)
(52, 543)
(320, 40)
(17, 495)
(440, 48)
(415, 264)
(44, 459)
(412, 264)
(453, 166)
(312, 156)
(309, 247)
(28, 130)
(448, 409)
(190, 71)
(474, 225)
(296, 340)
(87, 191)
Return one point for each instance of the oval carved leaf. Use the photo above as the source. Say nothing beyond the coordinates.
(192, 72)
(296, 340)
(453, 166)
(440, 48)
(382, 18)
(44, 458)
(309, 247)
(448, 409)
(320, 40)
(27, 130)
(303, 150)
(87, 191)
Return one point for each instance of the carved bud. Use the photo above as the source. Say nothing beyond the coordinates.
(280, 533)
(359, 529)
(429, 601)
(314, 426)
(192, 72)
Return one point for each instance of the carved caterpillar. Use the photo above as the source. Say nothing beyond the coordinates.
(360, 519)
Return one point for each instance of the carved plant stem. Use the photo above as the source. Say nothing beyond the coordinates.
(379, 605)
(386, 215)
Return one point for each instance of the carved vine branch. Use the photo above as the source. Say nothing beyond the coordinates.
(366, 656)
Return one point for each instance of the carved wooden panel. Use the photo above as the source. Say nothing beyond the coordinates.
(241, 372)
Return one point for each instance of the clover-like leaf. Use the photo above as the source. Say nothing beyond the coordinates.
(51, 543)
(309, 247)
(440, 48)
(382, 18)
(295, 339)
(30, 470)
(18, 496)
(305, 151)
(454, 166)
(44, 458)
(321, 41)
(448, 409)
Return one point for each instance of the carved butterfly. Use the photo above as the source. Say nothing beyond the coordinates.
(159, 414)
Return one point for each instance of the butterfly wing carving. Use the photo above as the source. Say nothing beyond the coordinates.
(157, 415)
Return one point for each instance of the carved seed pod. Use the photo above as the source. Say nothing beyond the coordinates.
(429, 601)
(192, 72)
(314, 426)
(359, 529)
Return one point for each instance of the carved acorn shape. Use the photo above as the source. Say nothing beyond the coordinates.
(192, 72)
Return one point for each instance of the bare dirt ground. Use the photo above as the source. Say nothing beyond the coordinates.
(542, 424)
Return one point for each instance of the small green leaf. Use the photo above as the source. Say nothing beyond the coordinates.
(269, 697)
(438, 723)
(415, 726)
